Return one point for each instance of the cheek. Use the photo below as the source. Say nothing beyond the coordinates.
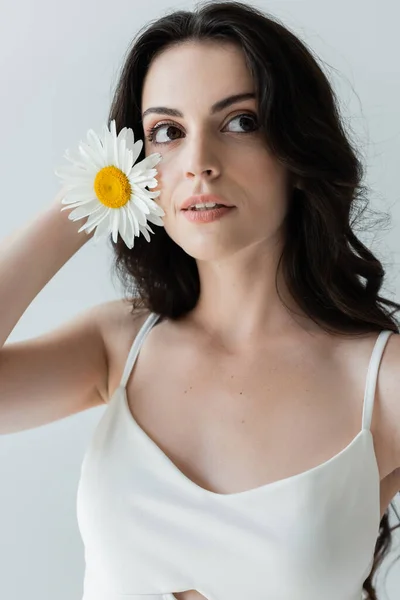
(264, 173)
(258, 163)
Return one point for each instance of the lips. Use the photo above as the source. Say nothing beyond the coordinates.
(203, 198)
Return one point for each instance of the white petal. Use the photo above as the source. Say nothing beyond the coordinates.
(128, 234)
(80, 186)
(139, 193)
(149, 228)
(155, 208)
(93, 158)
(108, 146)
(81, 195)
(75, 182)
(72, 171)
(152, 194)
(130, 141)
(148, 162)
(120, 152)
(150, 173)
(127, 239)
(95, 143)
(136, 149)
(128, 162)
(115, 224)
(158, 212)
(145, 233)
(125, 158)
(133, 220)
(74, 159)
(139, 202)
(86, 160)
(85, 210)
(130, 227)
(152, 183)
(114, 140)
(98, 234)
(155, 219)
(144, 196)
(95, 219)
(137, 189)
(141, 218)
(72, 201)
(143, 179)
(122, 134)
(122, 220)
(135, 152)
(103, 228)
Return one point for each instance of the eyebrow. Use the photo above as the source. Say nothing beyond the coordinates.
(220, 105)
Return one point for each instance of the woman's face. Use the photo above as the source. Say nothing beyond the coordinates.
(212, 151)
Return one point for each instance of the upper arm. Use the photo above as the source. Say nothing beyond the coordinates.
(54, 375)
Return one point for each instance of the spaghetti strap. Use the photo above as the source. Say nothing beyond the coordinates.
(136, 345)
(372, 375)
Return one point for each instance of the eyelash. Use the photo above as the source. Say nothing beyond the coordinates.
(153, 130)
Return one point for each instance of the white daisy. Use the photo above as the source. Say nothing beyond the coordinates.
(106, 185)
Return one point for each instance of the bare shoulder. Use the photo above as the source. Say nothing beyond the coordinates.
(388, 396)
(119, 324)
(354, 356)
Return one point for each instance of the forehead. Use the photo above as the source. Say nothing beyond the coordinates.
(195, 72)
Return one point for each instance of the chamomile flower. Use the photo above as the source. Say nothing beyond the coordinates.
(105, 185)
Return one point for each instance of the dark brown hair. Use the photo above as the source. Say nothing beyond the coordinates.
(334, 278)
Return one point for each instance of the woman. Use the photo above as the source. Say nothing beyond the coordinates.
(237, 457)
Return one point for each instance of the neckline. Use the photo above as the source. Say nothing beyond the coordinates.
(245, 493)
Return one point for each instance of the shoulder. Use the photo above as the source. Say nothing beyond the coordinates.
(117, 314)
(387, 395)
(118, 324)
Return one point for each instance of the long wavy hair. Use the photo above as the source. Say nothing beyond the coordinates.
(334, 278)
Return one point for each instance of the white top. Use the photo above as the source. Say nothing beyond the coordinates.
(149, 531)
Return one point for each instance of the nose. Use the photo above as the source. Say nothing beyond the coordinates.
(201, 159)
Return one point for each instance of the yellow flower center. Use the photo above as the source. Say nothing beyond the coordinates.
(112, 187)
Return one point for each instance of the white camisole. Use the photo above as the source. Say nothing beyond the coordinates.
(149, 531)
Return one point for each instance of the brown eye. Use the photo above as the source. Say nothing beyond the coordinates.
(246, 121)
(154, 130)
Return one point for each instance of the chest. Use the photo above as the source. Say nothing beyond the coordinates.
(232, 423)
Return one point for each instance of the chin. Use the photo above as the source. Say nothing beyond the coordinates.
(205, 246)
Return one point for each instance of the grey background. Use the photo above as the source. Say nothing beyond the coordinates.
(59, 63)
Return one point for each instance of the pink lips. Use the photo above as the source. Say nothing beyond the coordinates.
(207, 215)
(199, 198)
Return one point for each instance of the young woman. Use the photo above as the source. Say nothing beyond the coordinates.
(250, 447)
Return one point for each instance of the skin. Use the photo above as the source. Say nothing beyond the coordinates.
(204, 153)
